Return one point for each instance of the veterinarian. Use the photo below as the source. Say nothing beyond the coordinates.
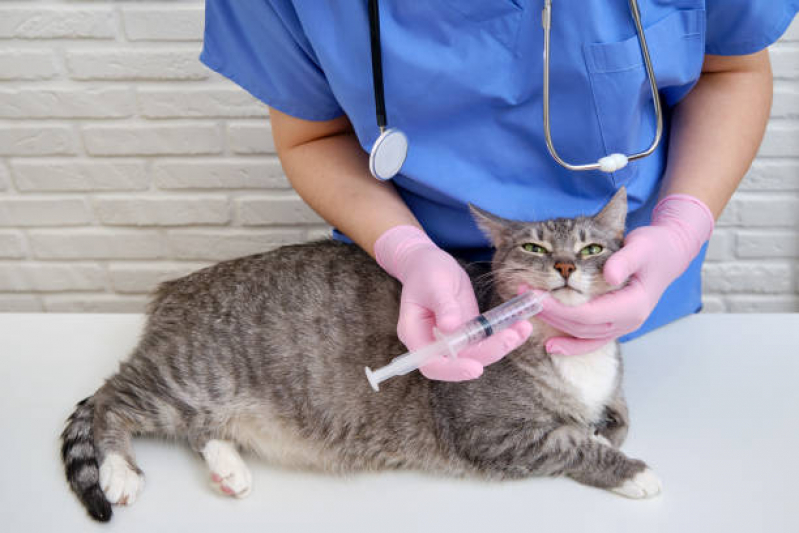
(462, 80)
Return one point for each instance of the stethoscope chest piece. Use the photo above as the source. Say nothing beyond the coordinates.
(391, 147)
(388, 154)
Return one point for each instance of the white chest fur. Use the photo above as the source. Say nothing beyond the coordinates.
(592, 374)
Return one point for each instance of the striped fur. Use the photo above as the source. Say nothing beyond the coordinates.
(80, 461)
(267, 352)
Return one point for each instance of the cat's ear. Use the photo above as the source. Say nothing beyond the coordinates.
(614, 214)
(497, 229)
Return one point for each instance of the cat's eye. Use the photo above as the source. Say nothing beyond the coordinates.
(534, 248)
(591, 249)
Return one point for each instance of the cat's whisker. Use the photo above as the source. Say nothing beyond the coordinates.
(488, 281)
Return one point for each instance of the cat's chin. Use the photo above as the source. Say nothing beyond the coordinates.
(570, 297)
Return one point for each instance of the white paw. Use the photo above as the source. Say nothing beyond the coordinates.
(644, 484)
(229, 474)
(120, 483)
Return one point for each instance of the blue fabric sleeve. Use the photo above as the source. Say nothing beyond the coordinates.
(739, 27)
(260, 45)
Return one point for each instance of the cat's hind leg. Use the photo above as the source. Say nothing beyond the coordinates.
(120, 480)
(115, 422)
(229, 474)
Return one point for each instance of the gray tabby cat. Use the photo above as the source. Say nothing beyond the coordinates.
(267, 353)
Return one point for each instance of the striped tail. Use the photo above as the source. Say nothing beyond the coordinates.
(80, 461)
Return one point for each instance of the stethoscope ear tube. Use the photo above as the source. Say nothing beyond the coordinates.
(612, 162)
(377, 64)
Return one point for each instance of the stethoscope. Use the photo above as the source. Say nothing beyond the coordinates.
(391, 147)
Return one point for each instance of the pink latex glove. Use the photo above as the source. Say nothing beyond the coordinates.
(437, 292)
(652, 257)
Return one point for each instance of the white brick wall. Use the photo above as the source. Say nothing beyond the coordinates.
(124, 162)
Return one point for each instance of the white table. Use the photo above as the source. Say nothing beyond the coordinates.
(714, 405)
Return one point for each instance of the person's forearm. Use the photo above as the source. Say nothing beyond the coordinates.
(717, 129)
(331, 174)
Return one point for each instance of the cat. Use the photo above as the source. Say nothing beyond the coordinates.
(267, 353)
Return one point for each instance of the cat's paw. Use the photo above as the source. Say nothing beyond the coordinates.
(644, 484)
(120, 483)
(229, 474)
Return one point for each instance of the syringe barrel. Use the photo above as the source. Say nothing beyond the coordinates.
(493, 321)
(410, 361)
(522, 307)
(406, 362)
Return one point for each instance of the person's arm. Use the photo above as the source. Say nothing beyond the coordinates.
(718, 127)
(329, 170)
(716, 132)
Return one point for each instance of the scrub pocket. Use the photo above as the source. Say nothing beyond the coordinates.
(620, 86)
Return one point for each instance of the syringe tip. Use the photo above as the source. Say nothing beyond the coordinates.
(371, 377)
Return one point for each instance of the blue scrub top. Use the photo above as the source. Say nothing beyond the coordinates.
(463, 80)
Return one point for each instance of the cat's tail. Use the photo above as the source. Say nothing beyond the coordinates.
(80, 461)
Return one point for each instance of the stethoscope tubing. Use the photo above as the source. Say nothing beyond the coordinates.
(386, 158)
(377, 64)
(547, 23)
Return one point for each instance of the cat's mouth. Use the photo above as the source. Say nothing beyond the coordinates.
(566, 287)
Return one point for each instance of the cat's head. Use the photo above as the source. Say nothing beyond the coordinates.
(563, 256)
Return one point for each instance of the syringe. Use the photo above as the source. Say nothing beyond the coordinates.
(493, 321)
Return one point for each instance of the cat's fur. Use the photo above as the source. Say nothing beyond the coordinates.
(267, 352)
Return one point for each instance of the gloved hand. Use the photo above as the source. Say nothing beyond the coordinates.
(437, 292)
(652, 257)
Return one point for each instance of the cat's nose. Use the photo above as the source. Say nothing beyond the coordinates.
(565, 269)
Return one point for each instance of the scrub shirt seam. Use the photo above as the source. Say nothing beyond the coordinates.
(596, 110)
(257, 91)
(596, 69)
(625, 69)
(754, 45)
(515, 49)
(641, 64)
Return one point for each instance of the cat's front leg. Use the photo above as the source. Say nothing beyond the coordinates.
(592, 462)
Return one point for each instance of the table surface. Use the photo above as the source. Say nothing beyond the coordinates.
(714, 405)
